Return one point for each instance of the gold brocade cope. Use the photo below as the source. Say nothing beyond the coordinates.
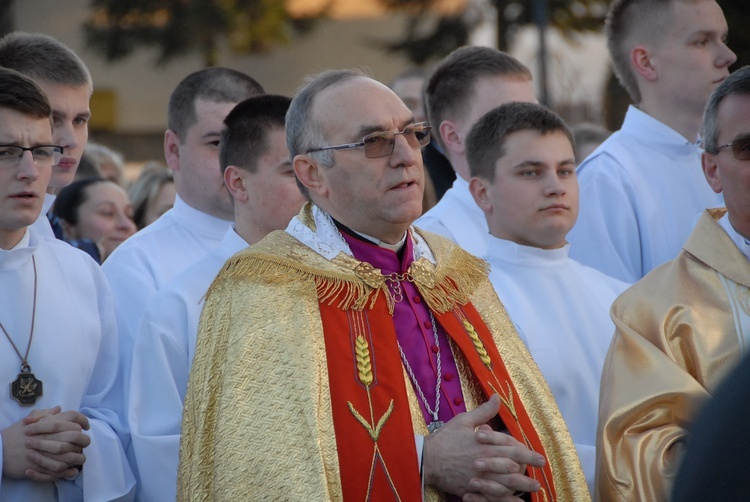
(676, 338)
(258, 416)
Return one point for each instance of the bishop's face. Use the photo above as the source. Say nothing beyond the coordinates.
(724, 172)
(379, 197)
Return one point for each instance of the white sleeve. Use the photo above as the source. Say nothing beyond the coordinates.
(606, 239)
(158, 383)
(106, 474)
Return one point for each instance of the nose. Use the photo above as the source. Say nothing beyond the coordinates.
(403, 154)
(64, 135)
(555, 187)
(726, 56)
(126, 224)
(27, 168)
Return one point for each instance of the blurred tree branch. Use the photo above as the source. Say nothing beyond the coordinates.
(116, 28)
(431, 37)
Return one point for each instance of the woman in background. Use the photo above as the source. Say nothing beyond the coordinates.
(95, 215)
(152, 194)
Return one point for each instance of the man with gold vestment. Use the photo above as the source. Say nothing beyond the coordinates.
(348, 357)
(683, 326)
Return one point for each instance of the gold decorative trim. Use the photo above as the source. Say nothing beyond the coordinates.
(354, 284)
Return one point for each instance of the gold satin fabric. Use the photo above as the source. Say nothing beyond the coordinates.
(675, 340)
(258, 424)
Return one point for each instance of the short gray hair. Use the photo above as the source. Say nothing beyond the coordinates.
(736, 83)
(304, 133)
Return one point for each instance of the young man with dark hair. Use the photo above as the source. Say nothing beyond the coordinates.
(523, 178)
(202, 211)
(468, 83)
(259, 176)
(58, 330)
(642, 190)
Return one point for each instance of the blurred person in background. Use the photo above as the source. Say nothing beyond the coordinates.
(409, 86)
(87, 168)
(588, 136)
(152, 193)
(95, 210)
(109, 162)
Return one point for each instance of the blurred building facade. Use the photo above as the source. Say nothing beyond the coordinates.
(130, 101)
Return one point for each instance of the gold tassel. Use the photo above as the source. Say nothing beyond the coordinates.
(451, 284)
(455, 282)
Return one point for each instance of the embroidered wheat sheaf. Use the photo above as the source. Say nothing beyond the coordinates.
(364, 366)
(477, 343)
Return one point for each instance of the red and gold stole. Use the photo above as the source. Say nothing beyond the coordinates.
(374, 433)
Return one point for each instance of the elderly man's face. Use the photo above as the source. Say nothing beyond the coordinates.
(723, 171)
(379, 197)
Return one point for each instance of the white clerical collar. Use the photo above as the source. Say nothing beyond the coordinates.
(393, 247)
(324, 237)
(197, 221)
(49, 199)
(520, 254)
(740, 241)
(651, 130)
(24, 242)
(20, 254)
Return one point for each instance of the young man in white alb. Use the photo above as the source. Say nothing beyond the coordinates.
(523, 178)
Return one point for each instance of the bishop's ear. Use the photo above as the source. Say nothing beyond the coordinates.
(311, 174)
(711, 171)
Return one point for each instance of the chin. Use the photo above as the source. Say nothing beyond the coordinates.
(60, 181)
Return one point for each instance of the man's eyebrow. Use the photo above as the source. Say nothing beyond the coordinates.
(369, 129)
(62, 114)
(211, 134)
(528, 163)
(536, 163)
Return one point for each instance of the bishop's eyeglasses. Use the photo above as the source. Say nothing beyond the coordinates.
(11, 155)
(381, 144)
(740, 148)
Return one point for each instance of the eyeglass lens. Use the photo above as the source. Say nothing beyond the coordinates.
(11, 155)
(381, 144)
(741, 148)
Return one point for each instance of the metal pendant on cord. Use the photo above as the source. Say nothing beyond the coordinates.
(26, 388)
